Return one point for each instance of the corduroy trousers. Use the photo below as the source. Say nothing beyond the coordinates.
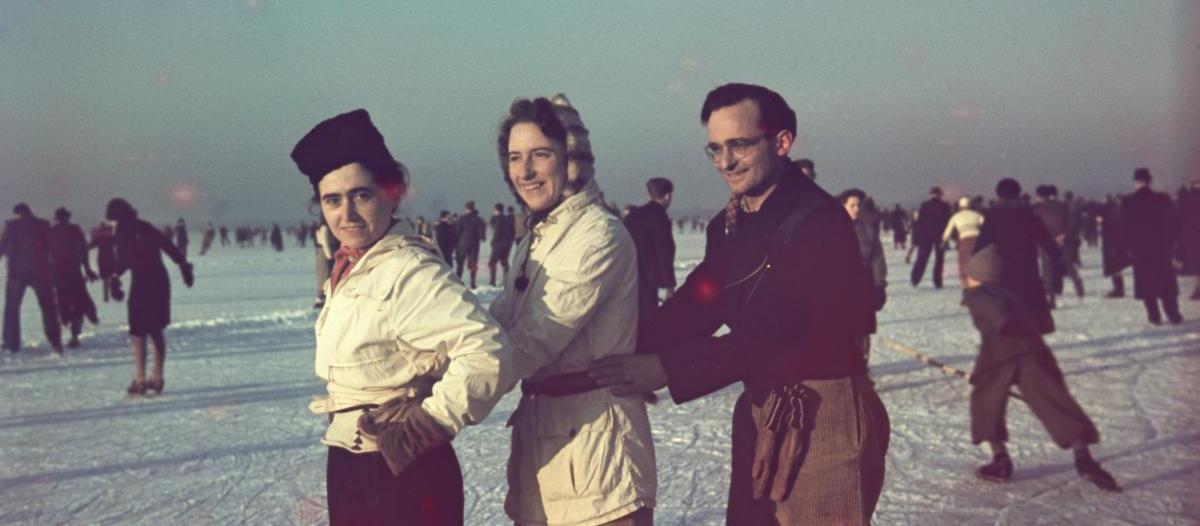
(842, 450)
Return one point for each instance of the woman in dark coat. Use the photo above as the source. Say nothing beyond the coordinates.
(139, 250)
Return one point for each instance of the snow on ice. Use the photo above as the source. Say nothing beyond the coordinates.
(230, 440)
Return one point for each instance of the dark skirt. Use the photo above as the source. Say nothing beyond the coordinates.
(149, 302)
(362, 490)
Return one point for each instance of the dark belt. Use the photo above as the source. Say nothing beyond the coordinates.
(560, 385)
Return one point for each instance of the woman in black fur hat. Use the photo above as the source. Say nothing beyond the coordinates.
(408, 354)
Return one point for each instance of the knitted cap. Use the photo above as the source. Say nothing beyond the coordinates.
(338, 141)
(580, 163)
(985, 265)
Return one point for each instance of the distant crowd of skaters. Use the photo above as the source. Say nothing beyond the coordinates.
(410, 357)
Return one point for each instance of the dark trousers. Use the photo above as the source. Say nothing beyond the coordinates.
(939, 256)
(1170, 304)
(362, 490)
(1043, 388)
(14, 292)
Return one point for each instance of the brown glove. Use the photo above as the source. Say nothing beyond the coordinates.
(403, 431)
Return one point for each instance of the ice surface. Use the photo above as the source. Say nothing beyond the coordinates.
(231, 440)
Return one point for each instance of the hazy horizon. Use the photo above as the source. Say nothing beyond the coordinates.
(191, 109)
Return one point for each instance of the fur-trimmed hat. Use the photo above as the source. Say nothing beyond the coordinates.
(985, 266)
(341, 140)
(580, 162)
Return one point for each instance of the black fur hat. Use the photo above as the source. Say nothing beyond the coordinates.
(341, 140)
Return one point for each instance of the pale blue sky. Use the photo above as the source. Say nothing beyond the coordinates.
(148, 99)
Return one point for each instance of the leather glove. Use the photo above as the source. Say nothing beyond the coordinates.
(91, 276)
(188, 277)
(406, 433)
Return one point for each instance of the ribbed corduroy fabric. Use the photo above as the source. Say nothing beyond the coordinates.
(841, 475)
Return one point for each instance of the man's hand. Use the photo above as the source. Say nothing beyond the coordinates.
(629, 374)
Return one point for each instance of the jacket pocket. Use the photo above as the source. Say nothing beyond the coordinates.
(577, 448)
(370, 364)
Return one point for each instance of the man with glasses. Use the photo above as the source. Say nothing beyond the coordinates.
(782, 270)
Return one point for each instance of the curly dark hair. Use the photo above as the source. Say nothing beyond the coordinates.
(539, 111)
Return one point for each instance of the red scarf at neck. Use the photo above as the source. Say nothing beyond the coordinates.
(344, 260)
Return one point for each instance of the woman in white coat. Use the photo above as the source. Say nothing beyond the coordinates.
(580, 455)
(408, 354)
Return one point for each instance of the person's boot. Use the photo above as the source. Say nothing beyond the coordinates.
(155, 385)
(136, 388)
(1118, 290)
(1090, 470)
(1000, 469)
(1171, 306)
(1152, 313)
(73, 342)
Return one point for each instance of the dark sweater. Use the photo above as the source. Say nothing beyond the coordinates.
(796, 310)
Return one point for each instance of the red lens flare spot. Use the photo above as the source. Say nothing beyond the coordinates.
(183, 194)
(706, 290)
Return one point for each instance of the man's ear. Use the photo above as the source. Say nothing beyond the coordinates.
(783, 142)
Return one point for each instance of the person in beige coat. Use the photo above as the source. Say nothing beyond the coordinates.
(580, 455)
(408, 354)
(966, 222)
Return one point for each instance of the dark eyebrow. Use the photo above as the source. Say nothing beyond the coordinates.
(350, 191)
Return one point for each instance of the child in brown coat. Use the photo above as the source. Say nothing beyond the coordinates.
(1013, 353)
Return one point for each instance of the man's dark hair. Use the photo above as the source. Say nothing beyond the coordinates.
(775, 113)
(499, 207)
(937, 190)
(1008, 188)
(471, 205)
(659, 187)
(1042, 190)
(539, 111)
(22, 209)
(444, 213)
(852, 192)
(1142, 175)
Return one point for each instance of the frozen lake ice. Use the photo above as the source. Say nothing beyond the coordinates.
(231, 440)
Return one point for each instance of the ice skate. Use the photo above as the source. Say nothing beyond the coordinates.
(1000, 469)
(1091, 471)
(136, 388)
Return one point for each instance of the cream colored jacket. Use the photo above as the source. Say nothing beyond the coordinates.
(401, 324)
(966, 221)
(589, 458)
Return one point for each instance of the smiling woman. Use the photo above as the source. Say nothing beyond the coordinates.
(580, 454)
(408, 354)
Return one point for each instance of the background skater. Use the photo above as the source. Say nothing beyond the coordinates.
(1012, 352)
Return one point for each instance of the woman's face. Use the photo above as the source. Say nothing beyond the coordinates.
(852, 204)
(357, 210)
(537, 166)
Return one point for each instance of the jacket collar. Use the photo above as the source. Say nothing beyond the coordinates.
(568, 208)
(399, 235)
